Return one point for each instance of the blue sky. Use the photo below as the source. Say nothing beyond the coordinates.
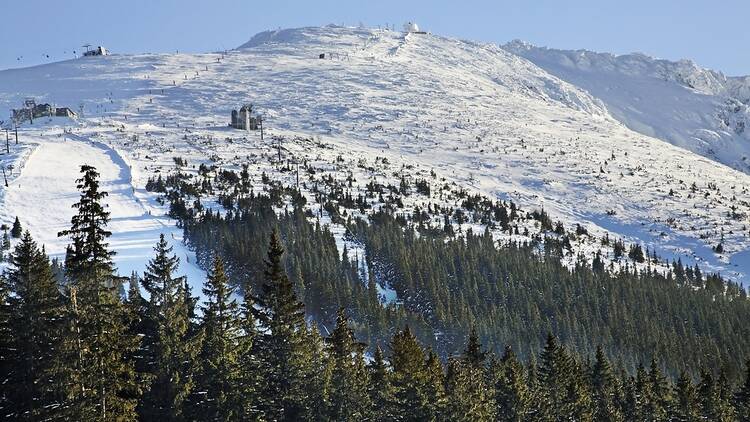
(714, 34)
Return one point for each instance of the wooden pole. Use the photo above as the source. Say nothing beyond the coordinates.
(7, 141)
(16, 126)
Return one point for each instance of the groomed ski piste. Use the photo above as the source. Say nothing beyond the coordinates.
(381, 106)
(43, 193)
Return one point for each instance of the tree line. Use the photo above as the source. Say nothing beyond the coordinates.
(514, 294)
(78, 349)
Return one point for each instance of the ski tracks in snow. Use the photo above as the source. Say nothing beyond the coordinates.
(43, 195)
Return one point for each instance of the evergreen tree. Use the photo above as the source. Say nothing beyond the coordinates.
(554, 377)
(16, 230)
(435, 387)
(685, 407)
(411, 398)
(250, 379)
(380, 388)
(313, 391)
(578, 403)
(36, 321)
(6, 241)
(512, 395)
(468, 397)
(101, 384)
(659, 398)
(473, 353)
(712, 405)
(171, 347)
(349, 400)
(604, 389)
(140, 327)
(282, 346)
(742, 397)
(219, 373)
(7, 337)
(88, 255)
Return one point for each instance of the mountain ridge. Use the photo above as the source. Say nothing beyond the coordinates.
(678, 101)
(477, 115)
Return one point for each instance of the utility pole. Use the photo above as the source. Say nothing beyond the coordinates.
(7, 141)
(15, 124)
(260, 120)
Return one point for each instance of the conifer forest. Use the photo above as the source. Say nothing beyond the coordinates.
(289, 332)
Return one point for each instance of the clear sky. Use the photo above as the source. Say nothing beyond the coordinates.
(715, 34)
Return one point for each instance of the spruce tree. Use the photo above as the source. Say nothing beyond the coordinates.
(512, 395)
(101, 384)
(139, 326)
(712, 405)
(36, 321)
(380, 388)
(349, 400)
(411, 398)
(604, 389)
(435, 387)
(742, 397)
(685, 406)
(6, 241)
(285, 356)
(660, 398)
(16, 230)
(171, 347)
(250, 378)
(555, 375)
(473, 353)
(219, 373)
(7, 338)
(313, 391)
(638, 396)
(468, 397)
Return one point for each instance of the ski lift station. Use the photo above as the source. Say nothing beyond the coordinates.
(98, 51)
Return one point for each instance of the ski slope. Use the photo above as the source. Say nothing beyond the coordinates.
(476, 115)
(44, 192)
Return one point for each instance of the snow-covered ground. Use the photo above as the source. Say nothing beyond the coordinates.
(44, 190)
(476, 115)
(694, 108)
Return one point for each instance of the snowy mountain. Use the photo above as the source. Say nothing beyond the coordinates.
(698, 109)
(480, 117)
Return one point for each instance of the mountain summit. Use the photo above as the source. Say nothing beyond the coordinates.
(590, 138)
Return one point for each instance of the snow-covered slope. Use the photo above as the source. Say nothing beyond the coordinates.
(44, 189)
(475, 114)
(694, 108)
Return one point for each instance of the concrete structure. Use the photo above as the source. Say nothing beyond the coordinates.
(243, 119)
(35, 111)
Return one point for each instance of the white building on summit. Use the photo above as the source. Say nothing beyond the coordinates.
(411, 27)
